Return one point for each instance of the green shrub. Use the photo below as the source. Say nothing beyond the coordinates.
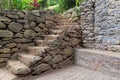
(52, 2)
(25, 4)
(66, 4)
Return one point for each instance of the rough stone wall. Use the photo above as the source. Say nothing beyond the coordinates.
(19, 29)
(60, 52)
(87, 23)
(105, 22)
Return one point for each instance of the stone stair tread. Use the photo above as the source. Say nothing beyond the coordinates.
(113, 48)
(51, 36)
(18, 67)
(101, 52)
(28, 59)
(37, 47)
(44, 42)
(57, 31)
(38, 51)
(7, 75)
(63, 27)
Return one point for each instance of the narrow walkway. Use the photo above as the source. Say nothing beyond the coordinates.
(74, 73)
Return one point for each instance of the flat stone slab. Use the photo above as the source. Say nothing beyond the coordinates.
(57, 31)
(49, 37)
(100, 52)
(17, 67)
(73, 73)
(38, 51)
(115, 48)
(107, 62)
(28, 59)
(44, 42)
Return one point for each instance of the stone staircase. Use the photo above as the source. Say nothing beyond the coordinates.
(26, 61)
(106, 62)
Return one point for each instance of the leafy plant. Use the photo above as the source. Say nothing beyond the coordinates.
(17, 4)
(52, 2)
(26, 4)
(66, 4)
(43, 3)
(35, 4)
(78, 2)
(39, 4)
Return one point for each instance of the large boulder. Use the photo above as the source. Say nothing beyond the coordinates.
(57, 59)
(21, 14)
(5, 50)
(5, 33)
(15, 27)
(2, 25)
(11, 45)
(29, 17)
(12, 16)
(74, 41)
(4, 19)
(47, 58)
(29, 33)
(18, 35)
(68, 51)
(41, 68)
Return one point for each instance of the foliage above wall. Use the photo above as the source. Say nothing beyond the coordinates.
(57, 5)
(22, 4)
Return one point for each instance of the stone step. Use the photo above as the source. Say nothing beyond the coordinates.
(44, 42)
(7, 75)
(62, 20)
(18, 67)
(58, 27)
(38, 51)
(65, 23)
(63, 27)
(51, 37)
(57, 31)
(107, 62)
(115, 48)
(28, 59)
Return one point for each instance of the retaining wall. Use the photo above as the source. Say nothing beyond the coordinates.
(104, 23)
(20, 29)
